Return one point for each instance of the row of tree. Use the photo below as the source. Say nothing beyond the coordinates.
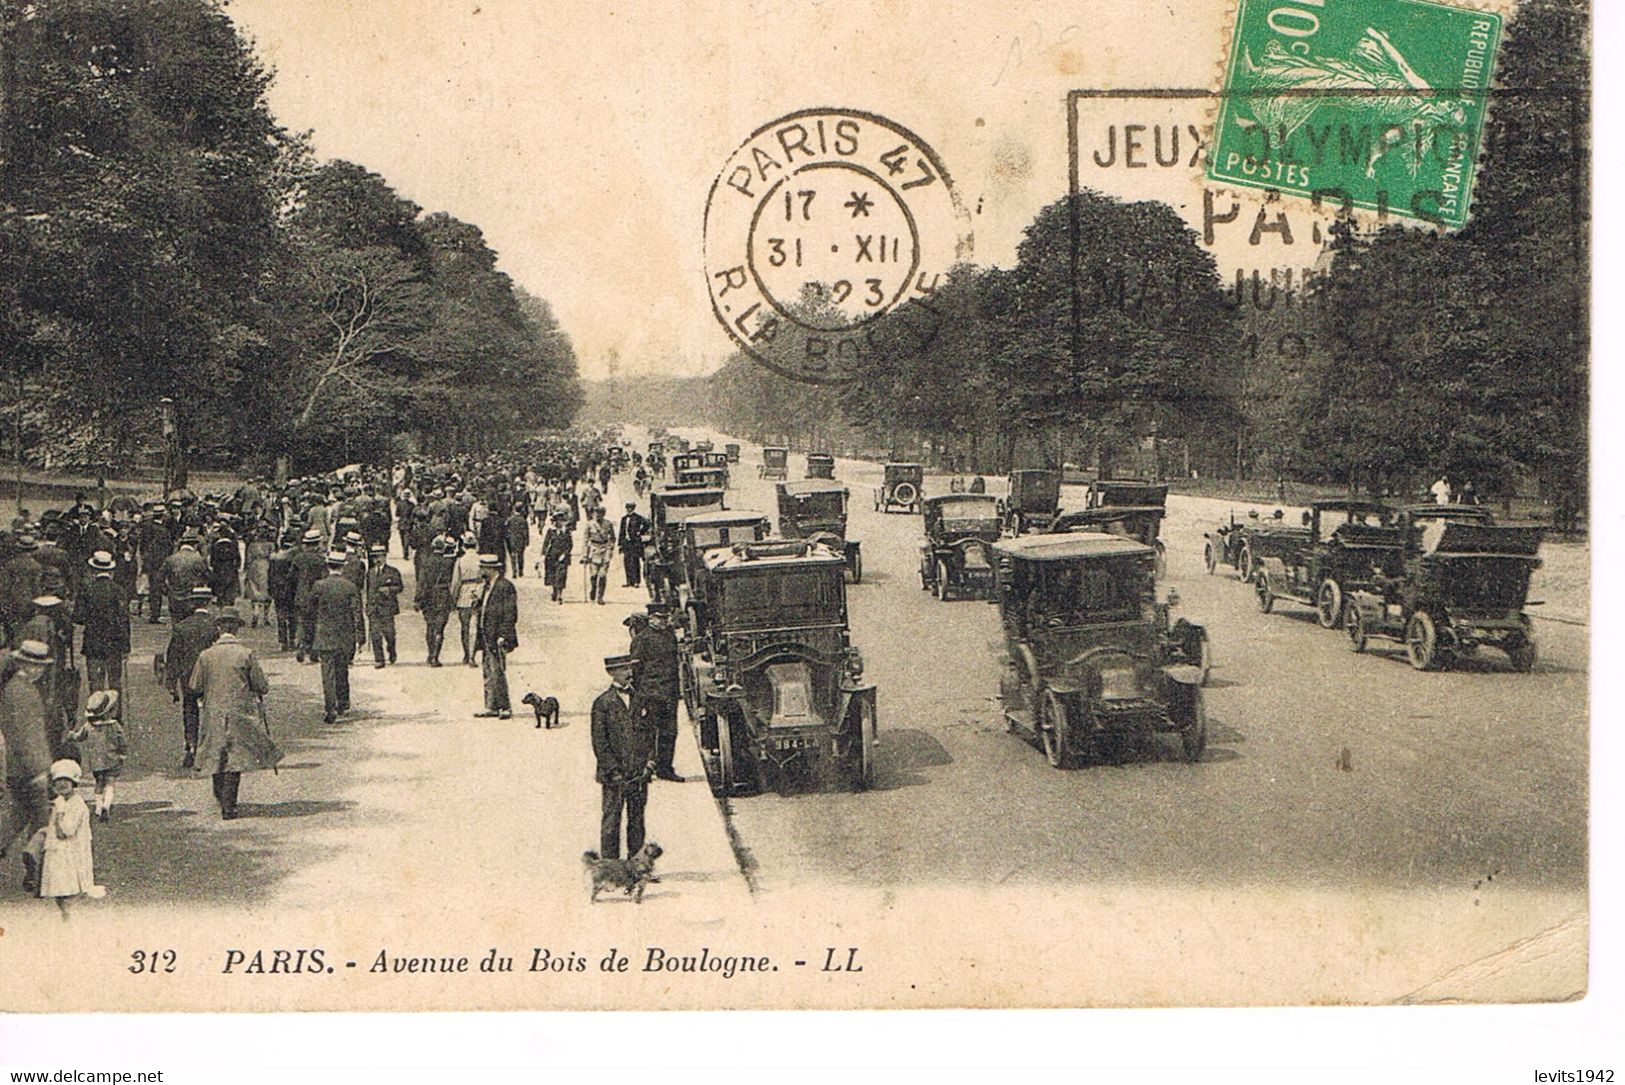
(1112, 340)
(162, 236)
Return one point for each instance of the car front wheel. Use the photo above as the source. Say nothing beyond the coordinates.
(1055, 730)
(1209, 560)
(1329, 604)
(1266, 598)
(1422, 642)
(1354, 625)
(942, 581)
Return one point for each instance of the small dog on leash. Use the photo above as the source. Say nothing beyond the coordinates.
(546, 709)
(632, 875)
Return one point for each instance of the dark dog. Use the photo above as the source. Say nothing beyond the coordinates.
(632, 875)
(546, 708)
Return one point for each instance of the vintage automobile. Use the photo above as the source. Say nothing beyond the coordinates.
(703, 445)
(1348, 545)
(775, 462)
(820, 465)
(707, 476)
(669, 506)
(616, 457)
(701, 534)
(657, 448)
(1464, 584)
(774, 685)
(815, 509)
(1090, 655)
(1034, 501)
(731, 451)
(1227, 544)
(683, 461)
(956, 557)
(902, 487)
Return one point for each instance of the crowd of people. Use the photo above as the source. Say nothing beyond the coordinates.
(312, 557)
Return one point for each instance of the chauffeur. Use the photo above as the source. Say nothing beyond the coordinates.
(655, 647)
(625, 759)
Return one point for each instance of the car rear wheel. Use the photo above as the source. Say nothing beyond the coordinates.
(1055, 730)
(1523, 655)
(1244, 563)
(1193, 739)
(1354, 625)
(1160, 567)
(1200, 653)
(942, 581)
(1266, 598)
(1422, 642)
(726, 770)
(857, 567)
(867, 734)
(1209, 560)
(1329, 603)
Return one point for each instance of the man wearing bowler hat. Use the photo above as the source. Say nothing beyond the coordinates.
(625, 760)
(337, 607)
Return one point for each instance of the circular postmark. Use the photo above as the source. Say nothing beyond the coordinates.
(819, 225)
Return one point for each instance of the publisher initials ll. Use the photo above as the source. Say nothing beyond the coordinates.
(851, 965)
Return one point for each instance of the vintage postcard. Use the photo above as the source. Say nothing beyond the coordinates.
(515, 505)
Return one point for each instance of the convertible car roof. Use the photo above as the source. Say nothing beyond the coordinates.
(944, 499)
(812, 486)
(1077, 544)
(726, 517)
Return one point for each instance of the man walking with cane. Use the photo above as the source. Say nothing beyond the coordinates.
(496, 635)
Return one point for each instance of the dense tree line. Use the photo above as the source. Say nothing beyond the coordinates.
(161, 235)
(1414, 353)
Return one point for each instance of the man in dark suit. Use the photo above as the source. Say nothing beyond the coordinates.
(634, 536)
(496, 635)
(336, 605)
(625, 760)
(384, 586)
(187, 640)
(155, 544)
(437, 560)
(182, 571)
(655, 647)
(103, 608)
(308, 568)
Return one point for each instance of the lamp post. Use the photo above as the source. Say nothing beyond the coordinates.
(167, 427)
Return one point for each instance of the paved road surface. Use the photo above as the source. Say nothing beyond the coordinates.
(1454, 777)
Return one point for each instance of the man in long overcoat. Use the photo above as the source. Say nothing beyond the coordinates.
(155, 544)
(234, 739)
(655, 647)
(25, 743)
(496, 635)
(624, 760)
(339, 624)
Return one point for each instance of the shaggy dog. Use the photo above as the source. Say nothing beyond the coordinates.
(631, 874)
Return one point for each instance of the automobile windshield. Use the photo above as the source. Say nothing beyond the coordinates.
(823, 507)
(781, 597)
(1069, 593)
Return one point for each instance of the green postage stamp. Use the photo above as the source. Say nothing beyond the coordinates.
(1377, 104)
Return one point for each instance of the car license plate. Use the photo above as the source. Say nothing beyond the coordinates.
(793, 742)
